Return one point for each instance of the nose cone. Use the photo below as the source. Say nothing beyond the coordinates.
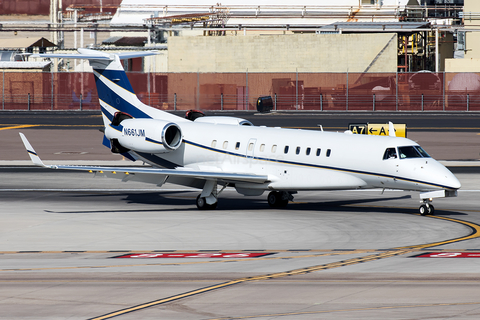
(446, 178)
(453, 182)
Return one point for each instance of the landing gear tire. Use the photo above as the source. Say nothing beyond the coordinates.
(275, 200)
(426, 209)
(203, 205)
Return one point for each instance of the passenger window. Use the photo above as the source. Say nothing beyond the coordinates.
(298, 150)
(250, 147)
(307, 152)
(225, 144)
(274, 148)
(390, 153)
(318, 151)
(214, 143)
(237, 146)
(286, 149)
(328, 152)
(262, 147)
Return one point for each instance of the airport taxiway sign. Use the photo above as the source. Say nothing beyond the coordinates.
(450, 255)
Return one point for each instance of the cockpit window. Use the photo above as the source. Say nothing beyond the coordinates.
(422, 152)
(390, 153)
(412, 152)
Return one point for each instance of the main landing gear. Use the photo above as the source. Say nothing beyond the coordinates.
(426, 207)
(208, 199)
(279, 199)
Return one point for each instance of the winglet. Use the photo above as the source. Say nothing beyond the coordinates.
(31, 152)
(391, 129)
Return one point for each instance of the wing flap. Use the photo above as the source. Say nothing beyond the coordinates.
(195, 174)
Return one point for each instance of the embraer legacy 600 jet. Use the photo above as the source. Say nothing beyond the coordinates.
(212, 153)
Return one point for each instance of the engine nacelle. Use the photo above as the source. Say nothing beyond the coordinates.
(146, 135)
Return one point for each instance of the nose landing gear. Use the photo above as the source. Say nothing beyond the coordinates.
(426, 207)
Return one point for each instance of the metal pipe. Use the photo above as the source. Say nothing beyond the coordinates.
(28, 101)
(321, 102)
(374, 102)
(175, 101)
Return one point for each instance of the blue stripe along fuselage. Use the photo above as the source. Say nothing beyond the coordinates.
(153, 141)
(316, 166)
(114, 100)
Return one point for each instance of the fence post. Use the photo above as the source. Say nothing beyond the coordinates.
(81, 98)
(347, 93)
(28, 101)
(296, 90)
(443, 86)
(468, 101)
(51, 91)
(3, 91)
(221, 101)
(246, 91)
(374, 102)
(321, 102)
(396, 91)
(175, 102)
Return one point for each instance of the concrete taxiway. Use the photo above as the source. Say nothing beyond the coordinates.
(328, 255)
(346, 255)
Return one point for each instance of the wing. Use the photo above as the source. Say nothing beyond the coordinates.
(194, 174)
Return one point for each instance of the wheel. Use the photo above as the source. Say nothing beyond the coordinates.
(431, 210)
(283, 203)
(203, 205)
(273, 198)
(424, 210)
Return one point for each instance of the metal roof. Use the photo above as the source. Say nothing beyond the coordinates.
(23, 64)
(374, 26)
(21, 43)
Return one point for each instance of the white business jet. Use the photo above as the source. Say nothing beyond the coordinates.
(212, 153)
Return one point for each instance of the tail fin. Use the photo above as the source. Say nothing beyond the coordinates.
(115, 92)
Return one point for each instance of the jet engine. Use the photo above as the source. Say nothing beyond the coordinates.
(144, 135)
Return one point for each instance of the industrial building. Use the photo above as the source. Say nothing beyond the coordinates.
(309, 55)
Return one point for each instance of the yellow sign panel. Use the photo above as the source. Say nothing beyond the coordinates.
(381, 129)
(358, 128)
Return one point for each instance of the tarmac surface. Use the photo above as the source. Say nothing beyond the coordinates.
(328, 255)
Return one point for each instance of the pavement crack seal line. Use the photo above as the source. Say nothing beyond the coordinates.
(475, 233)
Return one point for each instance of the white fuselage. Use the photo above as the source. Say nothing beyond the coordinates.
(315, 160)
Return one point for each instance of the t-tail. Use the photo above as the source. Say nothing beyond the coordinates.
(115, 93)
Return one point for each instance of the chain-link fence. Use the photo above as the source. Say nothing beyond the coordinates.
(421, 91)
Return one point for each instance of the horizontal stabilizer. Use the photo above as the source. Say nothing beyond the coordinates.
(96, 55)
